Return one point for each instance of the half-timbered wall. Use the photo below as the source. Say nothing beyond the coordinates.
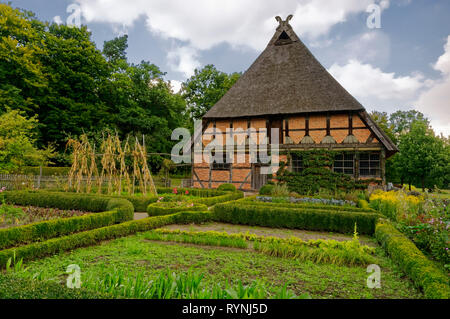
(347, 130)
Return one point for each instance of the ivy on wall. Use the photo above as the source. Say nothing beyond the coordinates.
(317, 174)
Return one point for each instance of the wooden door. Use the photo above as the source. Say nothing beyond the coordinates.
(258, 179)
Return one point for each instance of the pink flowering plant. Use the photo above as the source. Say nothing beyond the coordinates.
(429, 227)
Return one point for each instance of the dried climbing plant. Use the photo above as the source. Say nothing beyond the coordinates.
(115, 171)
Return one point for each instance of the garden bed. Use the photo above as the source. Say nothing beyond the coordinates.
(137, 257)
(24, 215)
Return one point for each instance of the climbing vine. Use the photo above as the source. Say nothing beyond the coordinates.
(317, 174)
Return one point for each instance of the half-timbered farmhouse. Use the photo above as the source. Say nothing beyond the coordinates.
(287, 88)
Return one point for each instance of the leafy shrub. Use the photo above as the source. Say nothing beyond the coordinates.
(266, 189)
(299, 218)
(226, 188)
(412, 261)
(167, 208)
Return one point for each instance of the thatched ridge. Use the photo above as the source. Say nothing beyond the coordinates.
(285, 79)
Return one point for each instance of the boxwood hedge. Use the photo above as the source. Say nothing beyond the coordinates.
(253, 201)
(167, 208)
(412, 261)
(299, 218)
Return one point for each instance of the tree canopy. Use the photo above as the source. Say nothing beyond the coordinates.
(205, 88)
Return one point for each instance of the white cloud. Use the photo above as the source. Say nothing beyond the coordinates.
(184, 60)
(378, 90)
(369, 83)
(203, 24)
(435, 102)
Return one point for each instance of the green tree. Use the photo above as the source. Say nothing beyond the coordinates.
(401, 121)
(115, 50)
(18, 142)
(75, 69)
(205, 88)
(421, 153)
(21, 72)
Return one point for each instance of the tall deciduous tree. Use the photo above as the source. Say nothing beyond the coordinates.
(18, 142)
(21, 72)
(421, 153)
(205, 88)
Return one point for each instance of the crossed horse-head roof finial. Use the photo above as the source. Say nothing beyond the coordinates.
(281, 22)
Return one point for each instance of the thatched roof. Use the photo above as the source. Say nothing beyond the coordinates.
(285, 79)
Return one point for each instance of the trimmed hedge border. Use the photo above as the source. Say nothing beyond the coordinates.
(92, 237)
(112, 211)
(156, 209)
(210, 197)
(299, 218)
(250, 201)
(229, 196)
(412, 261)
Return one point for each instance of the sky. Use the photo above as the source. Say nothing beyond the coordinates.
(398, 59)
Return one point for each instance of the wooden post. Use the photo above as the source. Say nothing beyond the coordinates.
(39, 178)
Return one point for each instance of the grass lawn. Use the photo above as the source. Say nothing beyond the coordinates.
(135, 255)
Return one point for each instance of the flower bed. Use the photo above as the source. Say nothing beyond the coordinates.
(423, 219)
(166, 208)
(310, 200)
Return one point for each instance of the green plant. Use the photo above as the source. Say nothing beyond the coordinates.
(227, 188)
(167, 208)
(280, 190)
(266, 189)
(15, 287)
(169, 285)
(10, 214)
(17, 265)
